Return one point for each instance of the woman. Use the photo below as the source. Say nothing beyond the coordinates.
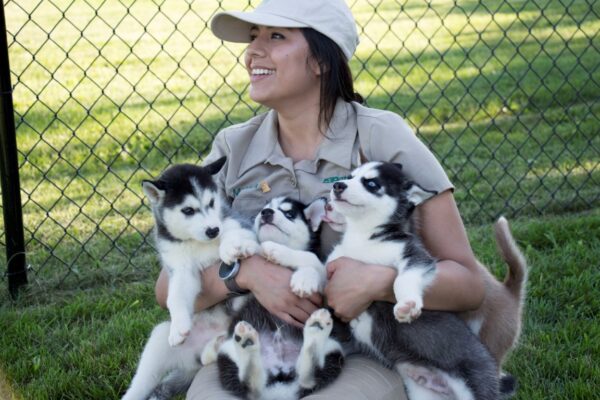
(316, 133)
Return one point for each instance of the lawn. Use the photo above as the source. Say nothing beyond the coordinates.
(85, 344)
(109, 93)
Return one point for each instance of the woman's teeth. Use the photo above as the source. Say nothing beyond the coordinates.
(261, 71)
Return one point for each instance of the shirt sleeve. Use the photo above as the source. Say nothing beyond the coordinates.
(390, 139)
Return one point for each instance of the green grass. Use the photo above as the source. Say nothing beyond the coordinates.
(506, 96)
(85, 344)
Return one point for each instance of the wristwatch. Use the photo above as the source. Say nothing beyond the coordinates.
(228, 272)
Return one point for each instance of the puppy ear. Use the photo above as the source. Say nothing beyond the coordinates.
(315, 212)
(215, 166)
(417, 195)
(398, 165)
(154, 191)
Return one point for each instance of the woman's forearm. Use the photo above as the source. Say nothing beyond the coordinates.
(213, 289)
(455, 288)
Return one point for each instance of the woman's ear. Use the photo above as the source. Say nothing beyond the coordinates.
(315, 67)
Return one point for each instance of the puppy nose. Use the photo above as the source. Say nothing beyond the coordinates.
(267, 214)
(339, 187)
(212, 232)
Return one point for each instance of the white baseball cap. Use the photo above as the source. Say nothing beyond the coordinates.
(332, 18)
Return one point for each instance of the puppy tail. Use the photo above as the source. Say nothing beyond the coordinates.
(516, 277)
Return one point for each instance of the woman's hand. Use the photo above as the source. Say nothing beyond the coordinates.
(352, 286)
(270, 284)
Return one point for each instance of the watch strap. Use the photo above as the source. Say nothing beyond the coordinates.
(229, 280)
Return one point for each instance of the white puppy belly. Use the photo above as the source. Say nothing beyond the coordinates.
(362, 328)
(207, 325)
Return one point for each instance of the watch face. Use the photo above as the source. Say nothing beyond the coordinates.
(225, 270)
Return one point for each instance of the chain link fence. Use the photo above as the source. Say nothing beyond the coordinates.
(110, 92)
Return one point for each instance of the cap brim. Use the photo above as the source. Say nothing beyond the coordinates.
(234, 26)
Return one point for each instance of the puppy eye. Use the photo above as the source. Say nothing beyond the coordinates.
(189, 211)
(289, 214)
(371, 184)
(211, 204)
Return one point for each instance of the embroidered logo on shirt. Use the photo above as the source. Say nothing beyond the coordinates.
(333, 179)
(237, 191)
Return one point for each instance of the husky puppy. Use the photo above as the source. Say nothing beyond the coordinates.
(192, 232)
(436, 353)
(498, 320)
(263, 357)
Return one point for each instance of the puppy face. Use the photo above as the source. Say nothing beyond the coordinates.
(289, 222)
(185, 202)
(196, 217)
(378, 192)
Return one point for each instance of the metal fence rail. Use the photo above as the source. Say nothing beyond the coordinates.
(107, 93)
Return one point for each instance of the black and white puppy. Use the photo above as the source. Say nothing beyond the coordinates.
(193, 230)
(436, 353)
(263, 357)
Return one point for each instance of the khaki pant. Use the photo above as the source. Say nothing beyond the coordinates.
(361, 379)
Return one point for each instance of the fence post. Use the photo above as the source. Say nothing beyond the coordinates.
(9, 173)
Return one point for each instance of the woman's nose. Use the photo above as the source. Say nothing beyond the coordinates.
(255, 48)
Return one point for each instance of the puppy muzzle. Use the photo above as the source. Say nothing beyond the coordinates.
(338, 189)
(266, 215)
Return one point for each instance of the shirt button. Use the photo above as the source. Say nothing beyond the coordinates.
(293, 182)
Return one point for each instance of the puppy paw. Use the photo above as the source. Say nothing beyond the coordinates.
(305, 282)
(318, 324)
(179, 331)
(211, 350)
(274, 252)
(245, 336)
(428, 379)
(234, 249)
(408, 310)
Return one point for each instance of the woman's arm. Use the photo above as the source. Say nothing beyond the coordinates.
(458, 285)
(270, 284)
(213, 289)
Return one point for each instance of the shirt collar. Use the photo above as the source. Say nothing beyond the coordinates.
(336, 147)
(338, 144)
(263, 143)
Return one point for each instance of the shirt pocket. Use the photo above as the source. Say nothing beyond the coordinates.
(249, 201)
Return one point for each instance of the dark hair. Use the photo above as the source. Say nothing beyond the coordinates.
(336, 77)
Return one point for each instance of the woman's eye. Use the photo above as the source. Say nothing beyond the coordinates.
(276, 35)
(188, 211)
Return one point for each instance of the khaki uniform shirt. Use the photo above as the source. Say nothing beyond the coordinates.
(257, 170)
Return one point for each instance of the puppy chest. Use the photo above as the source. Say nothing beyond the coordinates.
(373, 251)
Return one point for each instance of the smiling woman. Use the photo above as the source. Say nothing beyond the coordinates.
(281, 69)
(315, 134)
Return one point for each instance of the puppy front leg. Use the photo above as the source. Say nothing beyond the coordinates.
(237, 242)
(409, 286)
(309, 276)
(184, 286)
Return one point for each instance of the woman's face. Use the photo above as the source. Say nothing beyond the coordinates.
(280, 67)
